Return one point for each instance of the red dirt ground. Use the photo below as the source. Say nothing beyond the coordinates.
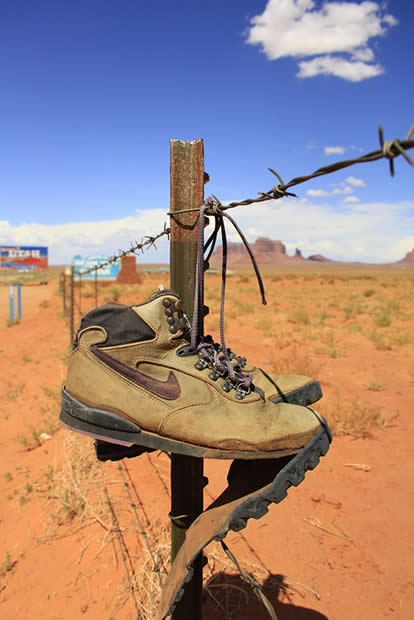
(340, 546)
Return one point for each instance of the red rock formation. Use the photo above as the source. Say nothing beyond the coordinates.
(319, 258)
(408, 259)
(266, 252)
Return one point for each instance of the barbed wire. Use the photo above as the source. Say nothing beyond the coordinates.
(150, 241)
(389, 150)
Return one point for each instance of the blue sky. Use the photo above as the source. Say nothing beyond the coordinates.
(92, 91)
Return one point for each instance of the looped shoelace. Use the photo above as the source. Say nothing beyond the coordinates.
(210, 354)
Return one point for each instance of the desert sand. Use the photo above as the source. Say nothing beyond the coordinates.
(339, 546)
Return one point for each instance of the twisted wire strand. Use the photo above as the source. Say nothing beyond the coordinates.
(150, 241)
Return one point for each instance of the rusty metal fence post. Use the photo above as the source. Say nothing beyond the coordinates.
(187, 191)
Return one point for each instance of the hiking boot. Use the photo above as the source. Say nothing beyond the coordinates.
(133, 378)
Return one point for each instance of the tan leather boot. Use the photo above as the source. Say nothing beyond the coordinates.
(134, 379)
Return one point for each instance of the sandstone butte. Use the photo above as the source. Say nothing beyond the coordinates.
(408, 259)
(266, 252)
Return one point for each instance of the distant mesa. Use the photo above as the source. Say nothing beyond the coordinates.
(266, 252)
(319, 258)
(408, 259)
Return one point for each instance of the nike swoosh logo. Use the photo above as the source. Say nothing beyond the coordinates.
(170, 389)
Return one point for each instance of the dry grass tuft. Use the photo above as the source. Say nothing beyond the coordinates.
(296, 359)
(143, 584)
(357, 419)
(75, 491)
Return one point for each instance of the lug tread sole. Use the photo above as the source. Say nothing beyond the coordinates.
(253, 506)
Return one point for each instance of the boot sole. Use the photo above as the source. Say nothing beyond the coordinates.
(303, 396)
(111, 428)
(251, 488)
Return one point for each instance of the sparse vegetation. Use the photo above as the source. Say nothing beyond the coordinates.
(381, 342)
(36, 435)
(7, 565)
(382, 319)
(300, 316)
(376, 386)
(115, 293)
(356, 418)
(13, 392)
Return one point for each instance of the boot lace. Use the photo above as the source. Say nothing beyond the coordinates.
(217, 357)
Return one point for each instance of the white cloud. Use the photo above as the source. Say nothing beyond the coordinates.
(351, 199)
(355, 182)
(296, 28)
(353, 71)
(317, 192)
(353, 231)
(334, 150)
(343, 190)
(365, 54)
(253, 232)
(88, 238)
(403, 246)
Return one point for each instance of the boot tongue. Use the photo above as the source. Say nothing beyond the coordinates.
(164, 313)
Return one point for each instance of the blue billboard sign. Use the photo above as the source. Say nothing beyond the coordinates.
(23, 257)
(109, 272)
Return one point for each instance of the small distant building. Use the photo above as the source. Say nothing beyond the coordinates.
(128, 273)
(23, 258)
(109, 272)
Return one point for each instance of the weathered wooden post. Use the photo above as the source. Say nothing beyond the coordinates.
(63, 293)
(187, 191)
(96, 286)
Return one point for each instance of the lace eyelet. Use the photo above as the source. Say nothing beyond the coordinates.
(213, 375)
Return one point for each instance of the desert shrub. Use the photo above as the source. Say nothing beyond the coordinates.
(115, 293)
(356, 418)
(382, 319)
(381, 342)
(299, 315)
